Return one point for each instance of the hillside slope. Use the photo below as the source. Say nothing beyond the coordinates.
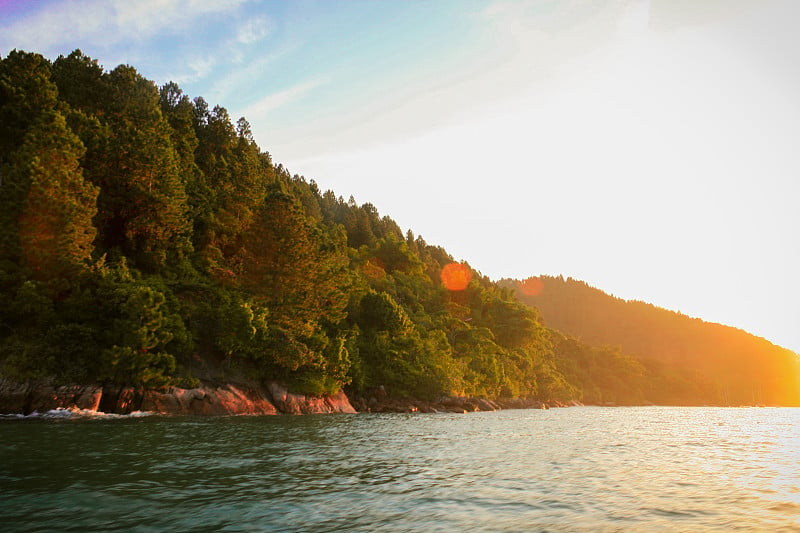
(147, 241)
(687, 360)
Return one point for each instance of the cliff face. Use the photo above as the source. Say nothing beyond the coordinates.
(227, 399)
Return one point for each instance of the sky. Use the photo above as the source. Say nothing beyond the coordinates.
(648, 147)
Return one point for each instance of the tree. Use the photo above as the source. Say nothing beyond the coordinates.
(297, 270)
(57, 205)
(179, 112)
(238, 175)
(142, 204)
(26, 90)
(80, 82)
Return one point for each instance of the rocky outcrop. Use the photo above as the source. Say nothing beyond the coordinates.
(224, 400)
(379, 402)
(232, 399)
(297, 404)
(29, 397)
(207, 399)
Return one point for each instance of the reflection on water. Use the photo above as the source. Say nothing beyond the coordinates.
(585, 469)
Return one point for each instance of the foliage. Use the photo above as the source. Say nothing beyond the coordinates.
(147, 241)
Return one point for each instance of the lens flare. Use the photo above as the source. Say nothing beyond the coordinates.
(456, 276)
(531, 286)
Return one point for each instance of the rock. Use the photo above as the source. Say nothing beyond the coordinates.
(228, 399)
(204, 400)
(340, 403)
(486, 405)
(359, 404)
(299, 404)
(233, 399)
(89, 398)
(128, 400)
(16, 398)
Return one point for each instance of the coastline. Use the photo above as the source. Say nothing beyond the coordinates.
(221, 399)
(208, 399)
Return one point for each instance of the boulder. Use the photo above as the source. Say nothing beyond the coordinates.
(299, 404)
(17, 398)
(206, 400)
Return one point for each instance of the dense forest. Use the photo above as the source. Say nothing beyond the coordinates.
(147, 241)
(684, 360)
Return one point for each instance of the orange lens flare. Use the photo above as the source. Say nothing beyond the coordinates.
(456, 276)
(531, 286)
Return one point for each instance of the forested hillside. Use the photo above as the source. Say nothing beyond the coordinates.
(148, 241)
(686, 360)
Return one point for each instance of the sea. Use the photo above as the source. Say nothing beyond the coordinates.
(568, 469)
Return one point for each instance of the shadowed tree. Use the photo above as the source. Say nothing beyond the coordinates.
(142, 204)
(26, 90)
(57, 205)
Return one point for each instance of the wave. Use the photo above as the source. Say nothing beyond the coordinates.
(68, 413)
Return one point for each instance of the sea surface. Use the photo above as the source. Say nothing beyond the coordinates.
(573, 469)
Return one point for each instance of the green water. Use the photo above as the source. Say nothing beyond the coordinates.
(576, 469)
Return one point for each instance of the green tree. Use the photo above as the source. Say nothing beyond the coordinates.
(179, 112)
(55, 205)
(142, 204)
(81, 82)
(297, 270)
(26, 90)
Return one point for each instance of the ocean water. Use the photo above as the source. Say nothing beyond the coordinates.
(574, 469)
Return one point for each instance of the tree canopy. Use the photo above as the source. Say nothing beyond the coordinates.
(148, 241)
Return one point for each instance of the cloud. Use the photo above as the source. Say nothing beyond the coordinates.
(199, 67)
(281, 98)
(104, 23)
(255, 30)
(226, 88)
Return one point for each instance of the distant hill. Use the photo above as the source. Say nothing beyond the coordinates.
(686, 360)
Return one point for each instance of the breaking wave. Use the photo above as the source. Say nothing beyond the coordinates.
(68, 413)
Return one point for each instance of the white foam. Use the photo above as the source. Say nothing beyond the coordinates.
(62, 413)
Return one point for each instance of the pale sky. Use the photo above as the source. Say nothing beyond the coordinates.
(651, 149)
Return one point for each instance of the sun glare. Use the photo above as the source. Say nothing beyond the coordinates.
(456, 276)
(531, 286)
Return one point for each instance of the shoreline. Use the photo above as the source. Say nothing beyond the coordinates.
(20, 400)
(221, 399)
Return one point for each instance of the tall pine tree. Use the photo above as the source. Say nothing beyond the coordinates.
(57, 205)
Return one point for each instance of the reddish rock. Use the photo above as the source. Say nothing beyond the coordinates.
(224, 400)
(89, 398)
(340, 403)
(298, 404)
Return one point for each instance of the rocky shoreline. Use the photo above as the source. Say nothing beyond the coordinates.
(206, 399)
(378, 401)
(229, 399)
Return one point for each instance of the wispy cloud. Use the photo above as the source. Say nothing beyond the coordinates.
(279, 99)
(225, 87)
(105, 22)
(254, 30)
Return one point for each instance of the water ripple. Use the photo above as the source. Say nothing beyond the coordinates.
(576, 469)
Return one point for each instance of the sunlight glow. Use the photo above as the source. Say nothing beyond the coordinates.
(531, 286)
(456, 276)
